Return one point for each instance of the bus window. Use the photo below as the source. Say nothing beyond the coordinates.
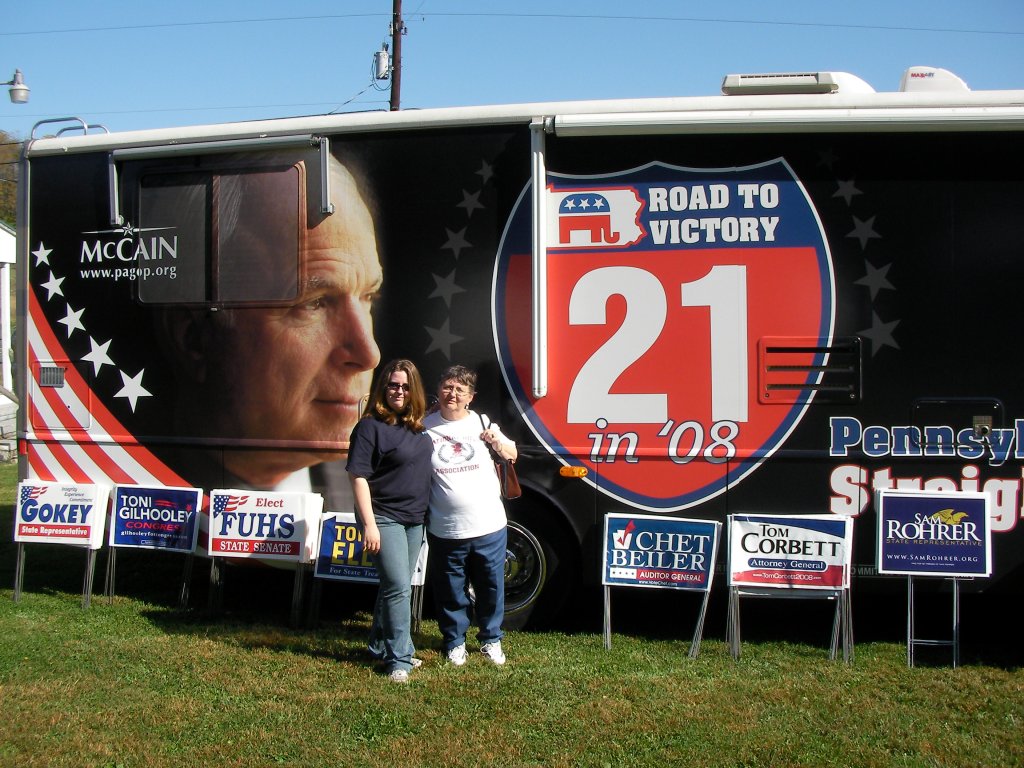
(181, 203)
(221, 236)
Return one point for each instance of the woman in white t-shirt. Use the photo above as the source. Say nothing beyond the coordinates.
(466, 526)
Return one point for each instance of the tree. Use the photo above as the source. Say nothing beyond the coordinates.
(10, 152)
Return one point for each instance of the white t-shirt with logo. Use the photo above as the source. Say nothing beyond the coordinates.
(465, 498)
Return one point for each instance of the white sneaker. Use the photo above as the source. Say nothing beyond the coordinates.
(457, 655)
(416, 663)
(398, 676)
(493, 652)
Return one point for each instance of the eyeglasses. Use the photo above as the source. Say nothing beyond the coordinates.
(394, 386)
(457, 391)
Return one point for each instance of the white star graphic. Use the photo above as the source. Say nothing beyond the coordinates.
(73, 320)
(875, 279)
(52, 286)
(98, 355)
(132, 388)
(485, 172)
(456, 241)
(880, 334)
(446, 288)
(471, 202)
(846, 191)
(442, 339)
(42, 254)
(864, 231)
(584, 203)
(598, 203)
(570, 203)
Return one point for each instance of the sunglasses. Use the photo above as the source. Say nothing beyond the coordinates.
(394, 386)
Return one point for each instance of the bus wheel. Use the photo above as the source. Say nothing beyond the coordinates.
(538, 571)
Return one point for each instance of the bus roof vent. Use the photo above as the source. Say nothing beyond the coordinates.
(793, 82)
(931, 79)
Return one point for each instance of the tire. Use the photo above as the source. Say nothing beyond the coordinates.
(541, 568)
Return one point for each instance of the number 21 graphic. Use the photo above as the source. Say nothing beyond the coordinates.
(723, 290)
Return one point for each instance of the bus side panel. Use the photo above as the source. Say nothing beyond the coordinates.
(897, 255)
(876, 348)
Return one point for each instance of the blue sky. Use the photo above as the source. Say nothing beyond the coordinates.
(132, 65)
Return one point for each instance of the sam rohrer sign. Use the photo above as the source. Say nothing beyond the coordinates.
(652, 551)
(923, 533)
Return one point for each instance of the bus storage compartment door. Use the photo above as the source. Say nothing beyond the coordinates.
(942, 420)
(55, 398)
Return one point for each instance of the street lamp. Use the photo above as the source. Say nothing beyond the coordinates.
(19, 91)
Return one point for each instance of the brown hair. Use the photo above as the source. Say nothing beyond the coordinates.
(416, 402)
(460, 373)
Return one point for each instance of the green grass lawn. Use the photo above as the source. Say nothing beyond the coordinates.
(137, 682)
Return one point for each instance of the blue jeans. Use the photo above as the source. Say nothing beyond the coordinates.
(391, 630)
(457, 563)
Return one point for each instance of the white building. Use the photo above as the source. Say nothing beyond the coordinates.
(8, 407)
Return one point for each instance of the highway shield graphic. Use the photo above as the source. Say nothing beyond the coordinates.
(665, 287)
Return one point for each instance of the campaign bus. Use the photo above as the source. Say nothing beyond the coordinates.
(776, 300)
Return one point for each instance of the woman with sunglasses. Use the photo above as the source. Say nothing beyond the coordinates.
(389, 467)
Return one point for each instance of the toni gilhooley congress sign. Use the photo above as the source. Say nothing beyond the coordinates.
(790, 551)
(155, 518)
(925, 533)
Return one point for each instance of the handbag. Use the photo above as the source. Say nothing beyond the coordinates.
(505, 469)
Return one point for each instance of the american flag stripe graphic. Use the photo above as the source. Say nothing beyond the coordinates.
(50, 461)
(92, 456)
(84, 460)
(89, 457)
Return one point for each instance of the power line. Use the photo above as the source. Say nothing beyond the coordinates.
(759, 22)
(171, 24)
(349, 101)
(506, 15)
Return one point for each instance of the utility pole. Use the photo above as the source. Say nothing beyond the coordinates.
(397, 30)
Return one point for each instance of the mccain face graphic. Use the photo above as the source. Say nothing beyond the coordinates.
(663, 284)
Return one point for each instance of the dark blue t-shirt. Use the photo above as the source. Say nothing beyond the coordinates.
(396, 463)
